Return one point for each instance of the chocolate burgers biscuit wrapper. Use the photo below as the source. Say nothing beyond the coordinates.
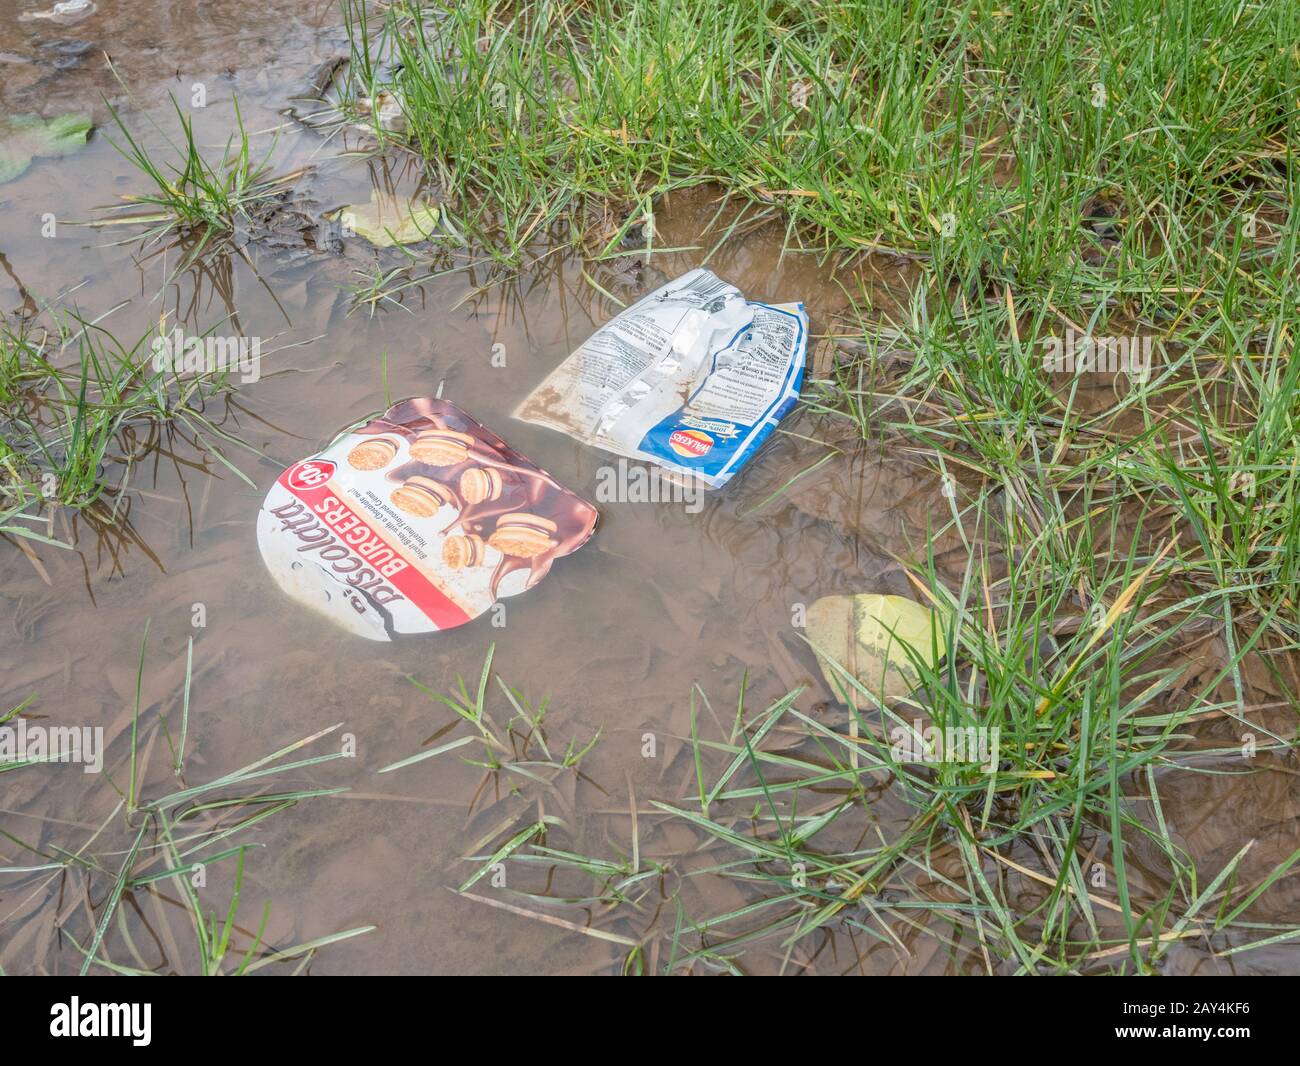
(693, 378)
(416, 521)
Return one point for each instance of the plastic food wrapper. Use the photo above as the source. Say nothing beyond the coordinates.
(693, 377)
(416, 521)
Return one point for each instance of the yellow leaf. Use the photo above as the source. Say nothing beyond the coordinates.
(387, 221)
(870, 636)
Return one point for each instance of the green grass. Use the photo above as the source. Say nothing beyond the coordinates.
(158, 835)
(515, 752)
(78, 406)
(517, 759)
(191, 199)
(910, 112)
(1018, 871)
(80, 409)
(1087, 738)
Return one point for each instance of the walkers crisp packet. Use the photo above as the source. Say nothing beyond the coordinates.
(416, 521)
(692, 377)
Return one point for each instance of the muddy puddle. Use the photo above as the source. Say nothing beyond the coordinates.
(662, 599)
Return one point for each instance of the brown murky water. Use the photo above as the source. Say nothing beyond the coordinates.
(660, 599)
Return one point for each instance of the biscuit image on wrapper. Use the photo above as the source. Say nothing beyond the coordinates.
(523, 535)
(421, 497)
(373, 454)
(480, 484)
(464, 552)
(395, 548)
(441, 447)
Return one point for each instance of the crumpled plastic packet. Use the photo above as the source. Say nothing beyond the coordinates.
(416, 521)
(693, 377)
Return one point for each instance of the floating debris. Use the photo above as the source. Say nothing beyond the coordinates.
(416, 521)
(25, 137)
(386, 111)
(387, 221)
(693, 378)
(878, 639)
(66, 12)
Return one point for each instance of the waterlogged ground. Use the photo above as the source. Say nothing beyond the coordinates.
(665, 597)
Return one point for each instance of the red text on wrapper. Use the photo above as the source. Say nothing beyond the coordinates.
(690, 442)
(354, 545)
